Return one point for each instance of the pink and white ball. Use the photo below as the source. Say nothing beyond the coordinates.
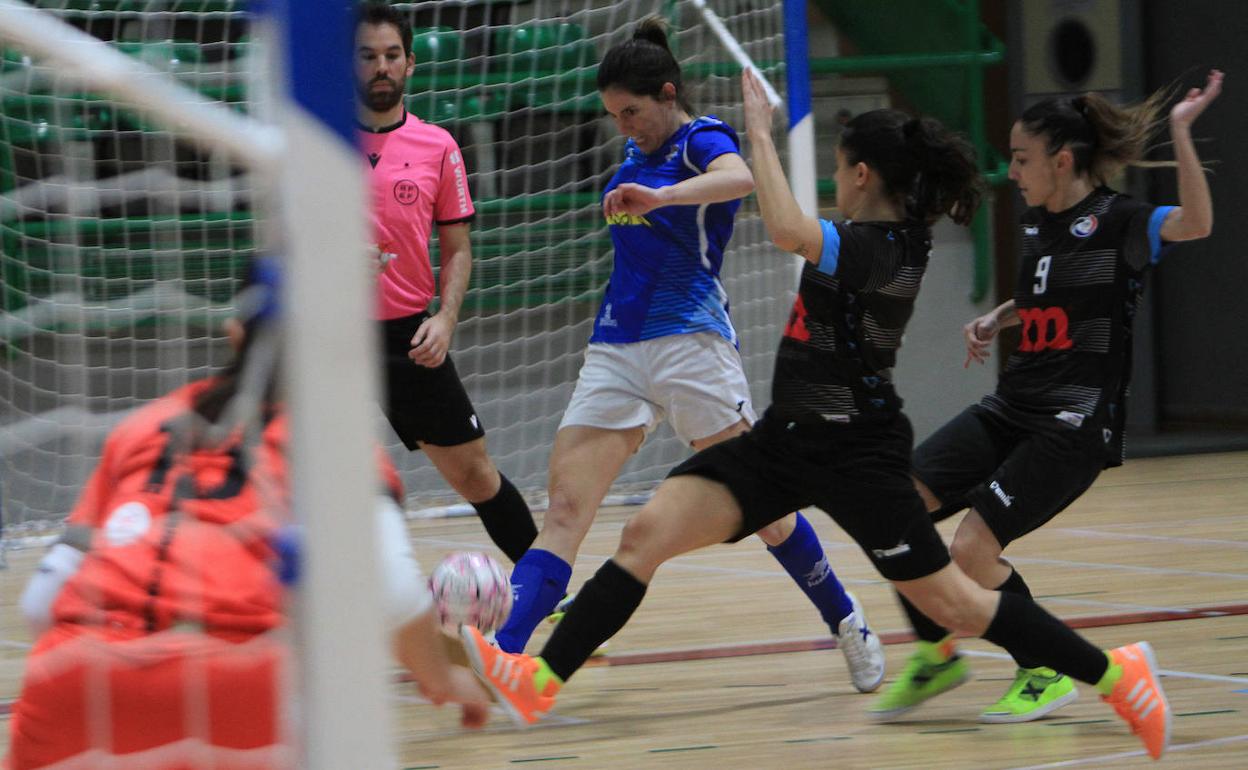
(472, 588)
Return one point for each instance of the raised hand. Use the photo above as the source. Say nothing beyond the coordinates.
(1196, 100)
(758, 110)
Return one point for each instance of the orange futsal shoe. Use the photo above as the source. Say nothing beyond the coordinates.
(510, 677)
(1137, 697)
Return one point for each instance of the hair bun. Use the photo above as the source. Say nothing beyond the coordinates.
(652, 29)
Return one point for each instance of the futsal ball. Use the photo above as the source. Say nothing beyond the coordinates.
(472, 588)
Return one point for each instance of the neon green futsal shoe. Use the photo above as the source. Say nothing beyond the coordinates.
(933, 668)
(1035, 693)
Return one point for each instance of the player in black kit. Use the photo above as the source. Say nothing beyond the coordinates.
(1027, 451)
(835, 435)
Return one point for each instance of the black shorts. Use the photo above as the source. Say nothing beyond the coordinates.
(424, 405)
(1015, 476)
(858, 474)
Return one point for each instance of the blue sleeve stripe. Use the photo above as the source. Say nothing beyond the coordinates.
(831, 251)
(1155, 222)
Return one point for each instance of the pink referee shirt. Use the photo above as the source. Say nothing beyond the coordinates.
(418, 178)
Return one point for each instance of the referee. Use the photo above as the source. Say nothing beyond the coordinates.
(418, 179)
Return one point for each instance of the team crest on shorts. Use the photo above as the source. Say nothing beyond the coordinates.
(1083, 226)
(406, 192)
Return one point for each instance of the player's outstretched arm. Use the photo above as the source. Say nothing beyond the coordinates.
(420, 648)
(1193, 218)
(788, 227)
(727, 178)
(980, 332)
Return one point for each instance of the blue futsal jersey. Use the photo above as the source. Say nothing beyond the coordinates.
(666, 274)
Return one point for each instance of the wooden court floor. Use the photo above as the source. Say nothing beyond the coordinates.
(726, 665)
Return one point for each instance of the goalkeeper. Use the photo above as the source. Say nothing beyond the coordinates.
(160, 612)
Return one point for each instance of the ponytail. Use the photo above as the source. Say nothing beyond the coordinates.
(948, 180)
(1103, 137)
(929, 169)
(643, 63)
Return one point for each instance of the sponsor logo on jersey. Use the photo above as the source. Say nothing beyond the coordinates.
(1073, 418)
(474, 422)
(1083, 226)
(1031, 230)
(627, 219)
(900, 549)
(1006, 500)
(461, 188)
(127, 523)
(406, 192)
(1107, 434)
(676, 148)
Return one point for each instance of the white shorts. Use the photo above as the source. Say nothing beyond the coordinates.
(696, 381)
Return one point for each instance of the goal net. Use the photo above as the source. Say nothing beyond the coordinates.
(121, 244)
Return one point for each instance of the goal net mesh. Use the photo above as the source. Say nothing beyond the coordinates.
(121, 245)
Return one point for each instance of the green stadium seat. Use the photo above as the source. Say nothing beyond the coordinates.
(552, 47)
(436, 49)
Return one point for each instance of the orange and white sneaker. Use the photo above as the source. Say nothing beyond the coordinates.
(1138, 698)
(510, 677)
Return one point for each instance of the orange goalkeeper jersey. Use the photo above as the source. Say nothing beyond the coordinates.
(183, 536)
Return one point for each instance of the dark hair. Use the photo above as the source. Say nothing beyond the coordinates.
(377, 13)
(1103, 137)
(643, 63)
(931, 170)
(256, 298)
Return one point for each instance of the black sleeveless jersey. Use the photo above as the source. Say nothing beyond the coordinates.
(836, 357)
(1079, 283)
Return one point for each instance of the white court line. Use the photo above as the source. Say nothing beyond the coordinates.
(1138, 753)
(1129, 568)
(1222, 519)
(1114, 605)
(499, 721)
(1154, 538)
(1163, 671)
(15, 645)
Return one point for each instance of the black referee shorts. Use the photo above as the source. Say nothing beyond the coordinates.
(424, 405)
(858, 474)
(1015, 476)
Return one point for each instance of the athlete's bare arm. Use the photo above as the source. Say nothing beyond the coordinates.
(788, 227)
(1193, 217)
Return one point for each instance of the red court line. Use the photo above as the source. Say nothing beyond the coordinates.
(898, 637)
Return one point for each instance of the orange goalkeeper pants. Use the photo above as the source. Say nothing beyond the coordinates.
(168, 701)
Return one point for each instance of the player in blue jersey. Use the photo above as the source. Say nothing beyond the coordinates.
(1027, 451)
(663, 345)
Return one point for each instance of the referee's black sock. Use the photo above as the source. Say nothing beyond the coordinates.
(507, 520)
(601, 608)
(1021, 624)
(1015, 584)
(926, 629)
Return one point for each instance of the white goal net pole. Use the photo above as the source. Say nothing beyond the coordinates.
(734, 49)
(94, 63)
(331, 385)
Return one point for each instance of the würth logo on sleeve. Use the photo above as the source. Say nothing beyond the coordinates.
(406, 192)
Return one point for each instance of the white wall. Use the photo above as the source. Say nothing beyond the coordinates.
(929, 374)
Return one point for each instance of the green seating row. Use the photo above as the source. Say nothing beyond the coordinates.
(514, 266)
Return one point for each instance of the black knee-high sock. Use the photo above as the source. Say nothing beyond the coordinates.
(507, 520)
(1021, 624)
(601, 608)
(924, 627)
(1015, 584)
